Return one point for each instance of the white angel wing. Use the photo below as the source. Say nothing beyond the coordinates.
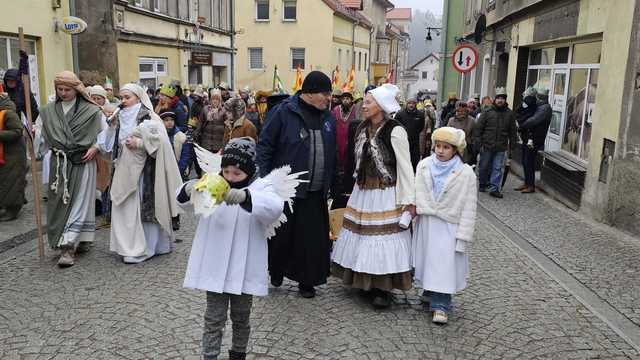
(285, 185)
(209, 162)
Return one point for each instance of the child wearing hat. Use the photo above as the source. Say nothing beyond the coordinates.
(446, 194)
(229, 253)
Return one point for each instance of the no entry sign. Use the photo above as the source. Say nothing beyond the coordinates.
(464, 58)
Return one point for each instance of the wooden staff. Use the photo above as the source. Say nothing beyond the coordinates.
(34, 176)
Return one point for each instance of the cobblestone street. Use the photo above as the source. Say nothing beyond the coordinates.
(103, 309)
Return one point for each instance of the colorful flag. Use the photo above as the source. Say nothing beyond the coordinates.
(348, 85)
(297, 84)
(335, 80)
(278, 88)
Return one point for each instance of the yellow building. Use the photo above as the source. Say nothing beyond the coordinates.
(584, 52)
(48, 47)
(315, 35)
(156, 42)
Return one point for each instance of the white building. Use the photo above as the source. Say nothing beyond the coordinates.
(425, 73)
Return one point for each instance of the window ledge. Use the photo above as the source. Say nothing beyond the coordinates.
(263, 20)
(257, 69)
(290, 20)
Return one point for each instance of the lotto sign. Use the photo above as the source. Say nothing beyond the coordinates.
(464, 58)
(73, 25)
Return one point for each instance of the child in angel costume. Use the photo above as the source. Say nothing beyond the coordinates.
(228, 260)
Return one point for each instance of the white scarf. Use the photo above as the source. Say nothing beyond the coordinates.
(128, 121)
(440, 171)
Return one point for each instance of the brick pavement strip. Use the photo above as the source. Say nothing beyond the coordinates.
(103, 309)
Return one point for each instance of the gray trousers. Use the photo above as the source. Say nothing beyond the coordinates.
(215, 318)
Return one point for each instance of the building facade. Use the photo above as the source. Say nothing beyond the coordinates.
(49, 48)
(376, 12)
(425, 74)
(398, 22)
(312, 35)
(452, 20)
(585, 53)
(157, 41)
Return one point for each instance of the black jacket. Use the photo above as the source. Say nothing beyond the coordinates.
(538, 124)
(413, 122)
(495, 130)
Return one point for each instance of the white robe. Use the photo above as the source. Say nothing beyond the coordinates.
(229, 251)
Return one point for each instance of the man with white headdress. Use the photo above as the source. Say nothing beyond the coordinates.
(70, 126)
(145, 180)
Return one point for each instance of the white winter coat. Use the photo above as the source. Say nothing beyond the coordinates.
(457, 202)
(229, 251)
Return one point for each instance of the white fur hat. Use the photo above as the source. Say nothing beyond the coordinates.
(385, 96)
(452, 136)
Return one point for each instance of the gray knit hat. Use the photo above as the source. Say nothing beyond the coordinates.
(240, 152)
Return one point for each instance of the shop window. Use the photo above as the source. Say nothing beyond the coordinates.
(289, 10)
(150, 69)
(297, 58)
(587, 53)
(262, 10)
(562, 55)
(575, 111)
(255, 59)
(541, 56)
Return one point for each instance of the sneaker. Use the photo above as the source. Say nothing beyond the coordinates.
(306, 292)
(496, 194)
(440, 317)
(66, 259)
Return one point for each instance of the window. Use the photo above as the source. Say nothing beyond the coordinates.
(150, 69)
(204, 10)
(262, 10)
(289, 10)
(587, 53)
(365, 62)
(297, 58)
(143, 4)
(425, 75)
(183, 9)
(339, 56)
(255, 59)
(562, 55)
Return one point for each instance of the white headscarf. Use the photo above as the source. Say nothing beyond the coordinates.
(138, 91)
(385, 96)
(97, 90)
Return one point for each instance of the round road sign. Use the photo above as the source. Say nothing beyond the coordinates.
(464, 58)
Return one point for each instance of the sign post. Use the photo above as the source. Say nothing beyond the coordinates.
(465, 58)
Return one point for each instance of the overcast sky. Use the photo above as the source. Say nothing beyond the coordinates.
(435, 6)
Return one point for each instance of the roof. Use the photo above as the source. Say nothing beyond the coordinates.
(434, 55)
(352, 4)
(399, 14)
(339, 8)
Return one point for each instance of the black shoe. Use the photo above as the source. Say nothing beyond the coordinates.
(382, 300)
(496, 194)
(234, 355)
(306, 292)
(175, 223)
(482, 189)
(276, 280)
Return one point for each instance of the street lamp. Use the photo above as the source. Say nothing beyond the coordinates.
(436, 29)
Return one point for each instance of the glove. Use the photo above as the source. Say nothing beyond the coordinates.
(461, 246)
(235, 196)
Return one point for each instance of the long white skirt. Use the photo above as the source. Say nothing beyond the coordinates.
(371, 241)
(438, 267)
(81, 224)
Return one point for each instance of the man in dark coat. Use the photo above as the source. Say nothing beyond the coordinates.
(15, 88)
(13, 161)
(301, 132)
(536, 126)
(495, 134)
(413, 121)
(448, 110)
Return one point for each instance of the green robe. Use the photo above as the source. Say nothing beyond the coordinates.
(73, 133)
(14, 170)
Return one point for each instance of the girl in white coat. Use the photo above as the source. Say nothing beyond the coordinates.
(229, 253)
(446, 195)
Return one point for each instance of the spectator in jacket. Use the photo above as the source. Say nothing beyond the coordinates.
(413, 121)
(494, 135)
(536, 126)
(169, 101)
(236, 124)
(463, 121)
(301, 132)
(210, 132)
(15, 88)
(430, 118)
(448, 110)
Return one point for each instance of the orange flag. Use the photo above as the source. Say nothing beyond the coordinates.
(297, 86)
(348, 85)
(335, 82)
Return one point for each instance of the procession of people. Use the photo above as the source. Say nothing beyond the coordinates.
(407, 188)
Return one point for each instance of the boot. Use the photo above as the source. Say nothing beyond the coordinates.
(306, 292)
(235, 355)
(66, 259)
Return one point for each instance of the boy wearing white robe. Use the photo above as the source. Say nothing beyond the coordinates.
(229, 253)
(446, 196)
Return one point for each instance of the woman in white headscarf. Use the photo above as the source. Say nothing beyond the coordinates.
(145, 180)
(372, 252)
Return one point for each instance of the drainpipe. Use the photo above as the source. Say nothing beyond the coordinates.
(373, 29)
(233, 34)
(74, 41)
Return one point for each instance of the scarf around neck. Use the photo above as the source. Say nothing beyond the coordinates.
(440, 171)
